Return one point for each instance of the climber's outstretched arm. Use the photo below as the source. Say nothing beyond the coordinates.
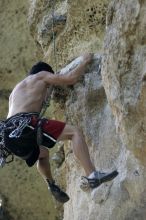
(67, 79)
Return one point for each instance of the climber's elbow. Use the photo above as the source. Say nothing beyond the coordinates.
(67, 79)
(72, 80)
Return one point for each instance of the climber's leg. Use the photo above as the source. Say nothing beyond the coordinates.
(94, 178)
(43, 167)
(43, 164)
(80, 148)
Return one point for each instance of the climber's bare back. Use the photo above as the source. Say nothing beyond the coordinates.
(27, 96)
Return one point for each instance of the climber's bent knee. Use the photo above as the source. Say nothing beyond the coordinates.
(69, 132)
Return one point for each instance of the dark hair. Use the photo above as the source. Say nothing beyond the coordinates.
(40, 66)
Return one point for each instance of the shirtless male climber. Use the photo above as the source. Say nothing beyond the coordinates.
(20, 136)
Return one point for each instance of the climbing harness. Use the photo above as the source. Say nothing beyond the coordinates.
(4, 152)
(22, 123)
(46, 103)
(16, 125)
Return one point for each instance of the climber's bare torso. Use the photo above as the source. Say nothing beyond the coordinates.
(29, 94)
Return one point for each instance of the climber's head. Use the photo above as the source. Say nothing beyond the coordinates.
(40, 66)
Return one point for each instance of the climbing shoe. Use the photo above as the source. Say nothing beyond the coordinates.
(58, 194)
(99, 178)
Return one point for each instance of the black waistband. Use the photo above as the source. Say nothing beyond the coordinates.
(22, 114)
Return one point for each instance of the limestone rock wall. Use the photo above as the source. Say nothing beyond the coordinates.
(87, 107)
(109, 104)
(124, 71)
(124, 82)
(78, 26)
(111, 114)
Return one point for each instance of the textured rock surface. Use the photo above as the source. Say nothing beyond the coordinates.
(124, 71)
(124, 81)
(111, 113)
(87, 108)
(109, 102)
(81, 27)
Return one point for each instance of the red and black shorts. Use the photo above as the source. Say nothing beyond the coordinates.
(51, 129)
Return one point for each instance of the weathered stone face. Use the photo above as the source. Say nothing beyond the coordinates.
(78, 26)
(109, 107)
(88, 109)
(124, 72)
(124, 82)
(108, 104)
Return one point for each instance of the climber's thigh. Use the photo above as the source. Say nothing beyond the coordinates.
(67, 133)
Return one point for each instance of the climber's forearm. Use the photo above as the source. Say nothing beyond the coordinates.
(67, 79)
